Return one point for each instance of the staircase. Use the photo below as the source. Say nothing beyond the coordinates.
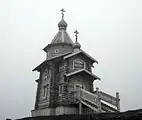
(97, 101)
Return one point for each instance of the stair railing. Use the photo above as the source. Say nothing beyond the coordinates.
(95, 100)
(87, 98)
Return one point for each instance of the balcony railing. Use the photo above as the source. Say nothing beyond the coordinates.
(98, 101)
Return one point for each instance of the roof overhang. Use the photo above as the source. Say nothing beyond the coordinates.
(46, 61)
(83, 72)
(57, 44)
(81, 52)
(40, 66)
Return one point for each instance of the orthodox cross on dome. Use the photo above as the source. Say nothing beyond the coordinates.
(76, 34)
(62, 13)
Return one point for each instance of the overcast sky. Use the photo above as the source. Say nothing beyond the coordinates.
(110, 31)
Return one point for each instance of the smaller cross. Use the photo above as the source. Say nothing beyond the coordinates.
(62, 12)
(76, 34)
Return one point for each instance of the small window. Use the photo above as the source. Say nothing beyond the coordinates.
(46, 74)
(56, 50)
(60, 88)
(78, 64)
(45, 91)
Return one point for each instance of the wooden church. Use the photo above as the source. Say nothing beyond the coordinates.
(65, 83)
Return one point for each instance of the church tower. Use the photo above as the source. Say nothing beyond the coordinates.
(65, 83)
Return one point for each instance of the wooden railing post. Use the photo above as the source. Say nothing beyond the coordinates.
(80, 108)
(79, 94)
(118, 102)
(98, 100)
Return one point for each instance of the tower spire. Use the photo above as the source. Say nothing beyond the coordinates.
(76, 44)
(76, 35)
(62, 10)
(62, 24)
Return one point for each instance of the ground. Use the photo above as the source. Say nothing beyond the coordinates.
(128, 115)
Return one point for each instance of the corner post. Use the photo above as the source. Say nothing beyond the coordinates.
(118, 102)
(80, 108)
(79, 94)
(98, 100)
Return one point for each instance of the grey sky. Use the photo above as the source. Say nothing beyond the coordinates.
(110, 30)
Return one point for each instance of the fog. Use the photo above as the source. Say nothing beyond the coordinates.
(109, 30)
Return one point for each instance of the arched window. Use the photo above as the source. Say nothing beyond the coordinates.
(78, 64)
(45, 92)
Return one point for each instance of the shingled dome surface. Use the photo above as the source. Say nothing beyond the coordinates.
(62, 23)
(62, 36)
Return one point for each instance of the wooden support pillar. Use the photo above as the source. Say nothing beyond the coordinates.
(118, 102)
(98, 100)
(80, 108)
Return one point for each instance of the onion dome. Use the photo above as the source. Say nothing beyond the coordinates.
(62, 24)
(76, 45)
(62, 36)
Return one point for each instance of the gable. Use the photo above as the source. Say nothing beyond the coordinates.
(83, 53)
(79, 61)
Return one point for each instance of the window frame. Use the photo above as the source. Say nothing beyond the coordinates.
(45, 91)
(84, 64)
(60, 89)
(46, 73)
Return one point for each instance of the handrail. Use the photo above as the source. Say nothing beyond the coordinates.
(93, 108)
(110, 99)
(94, 101)
(92, 98)
(87, 98)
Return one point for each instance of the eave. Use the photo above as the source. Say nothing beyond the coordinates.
(79, 52)
(50, 45)
(46, 61)
(40, 66)
(84, 71)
